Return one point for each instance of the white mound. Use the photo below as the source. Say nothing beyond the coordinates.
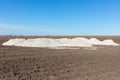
(109, 42)
(49, 42)
(95, 41)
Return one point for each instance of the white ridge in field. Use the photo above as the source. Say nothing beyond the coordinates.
(49, 42)
(95, 41)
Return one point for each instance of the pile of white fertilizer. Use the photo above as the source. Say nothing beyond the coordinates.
(49, 42)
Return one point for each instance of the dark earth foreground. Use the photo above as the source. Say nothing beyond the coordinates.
(20, 63)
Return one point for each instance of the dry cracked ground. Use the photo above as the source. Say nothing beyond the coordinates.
(18, 63)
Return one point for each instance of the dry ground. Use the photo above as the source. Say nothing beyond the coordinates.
(18, 63)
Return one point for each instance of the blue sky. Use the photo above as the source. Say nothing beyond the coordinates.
(59, 17)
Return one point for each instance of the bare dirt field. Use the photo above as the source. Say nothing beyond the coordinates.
(22, 63)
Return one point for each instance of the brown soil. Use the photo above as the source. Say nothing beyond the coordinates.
(20, 63)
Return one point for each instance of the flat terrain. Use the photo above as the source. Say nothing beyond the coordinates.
(20, 63)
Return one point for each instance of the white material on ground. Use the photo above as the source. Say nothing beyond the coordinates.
(95, 41)
(109, 42)
(49, 42)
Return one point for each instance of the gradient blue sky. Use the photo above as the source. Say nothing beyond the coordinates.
(59, 17)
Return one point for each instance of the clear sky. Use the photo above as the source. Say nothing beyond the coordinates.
(59, 17)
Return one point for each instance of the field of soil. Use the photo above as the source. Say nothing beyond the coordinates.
(23, 63)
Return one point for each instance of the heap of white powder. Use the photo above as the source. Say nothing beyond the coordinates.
(49, 42)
